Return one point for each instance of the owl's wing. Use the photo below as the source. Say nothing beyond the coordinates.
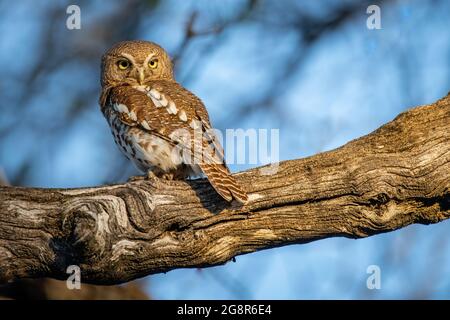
(215, 168)
(212, 141)
(163, 109)
(135, 109)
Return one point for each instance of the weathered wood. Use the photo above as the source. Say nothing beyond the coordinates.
(393, 177)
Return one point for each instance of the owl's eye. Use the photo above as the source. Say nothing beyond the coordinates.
(153, 63)
(123, 64)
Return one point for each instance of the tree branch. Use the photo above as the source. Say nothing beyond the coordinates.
(393, 177)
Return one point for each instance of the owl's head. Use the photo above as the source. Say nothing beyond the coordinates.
(135, 63)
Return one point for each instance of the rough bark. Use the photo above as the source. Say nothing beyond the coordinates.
(391, 178)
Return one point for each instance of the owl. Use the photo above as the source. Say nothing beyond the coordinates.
(163, 128)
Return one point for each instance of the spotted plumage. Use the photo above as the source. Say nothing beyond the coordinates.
(159, 125)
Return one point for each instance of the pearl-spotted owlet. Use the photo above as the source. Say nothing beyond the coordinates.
(160, 126)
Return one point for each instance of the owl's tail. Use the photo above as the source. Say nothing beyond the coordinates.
(224, 183)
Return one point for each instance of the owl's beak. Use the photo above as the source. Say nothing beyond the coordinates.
(141, 76)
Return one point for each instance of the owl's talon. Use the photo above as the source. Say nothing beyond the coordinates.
(167, 176)
(153, 178)
(151, 175)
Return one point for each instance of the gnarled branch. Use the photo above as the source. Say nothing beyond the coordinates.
(393, 177)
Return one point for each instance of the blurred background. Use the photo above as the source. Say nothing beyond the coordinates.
(310, 68)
